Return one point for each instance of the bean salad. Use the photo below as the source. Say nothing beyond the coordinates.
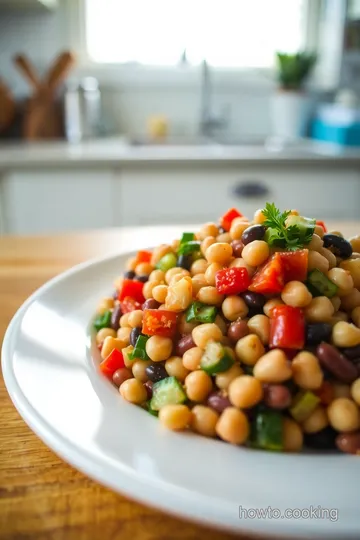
(246, 330)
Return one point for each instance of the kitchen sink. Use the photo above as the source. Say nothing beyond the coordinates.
(199, 141)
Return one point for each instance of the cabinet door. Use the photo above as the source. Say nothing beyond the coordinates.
(50, 201)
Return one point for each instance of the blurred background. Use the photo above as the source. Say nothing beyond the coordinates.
(142, 112)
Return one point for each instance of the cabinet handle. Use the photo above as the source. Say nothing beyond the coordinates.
(250, 189)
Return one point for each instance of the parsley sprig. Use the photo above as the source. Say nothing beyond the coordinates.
(278, 234)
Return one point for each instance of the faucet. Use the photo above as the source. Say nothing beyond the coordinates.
(209, 122)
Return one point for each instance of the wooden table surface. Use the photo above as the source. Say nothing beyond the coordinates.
(41, 497)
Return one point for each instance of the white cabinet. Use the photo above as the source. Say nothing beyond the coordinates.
(165, 194)
(51, 201)
(29, 4)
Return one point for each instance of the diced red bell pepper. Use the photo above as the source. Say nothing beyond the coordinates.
(325, 393)
(143, 256)
(114, 361)
(287, 328)
(133, 289)
(228, 218)
(159, 322)
(232, 280)
(322, 224)
(129, 304)
(295, 264)
(269, 278)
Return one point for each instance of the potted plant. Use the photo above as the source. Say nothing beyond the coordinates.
(290, 107)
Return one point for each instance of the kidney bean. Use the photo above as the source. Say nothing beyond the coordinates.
(121, 375)
(353, 353)
(322, 440)
(335, 362)
(317, 332)
(253, 300)
(134, 334)
(184, 261)
(184, 344)
(349, 442)
(149, 389)
(115, 318)
(150, 304)
(156, 372)
(255, 232)
(130, 274)
(142, 279)
(115, 294)
(218, 402)
(277, 396)
(237, 330)
(338, 245)
(237, 247)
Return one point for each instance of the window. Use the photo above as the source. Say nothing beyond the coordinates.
(227, 33)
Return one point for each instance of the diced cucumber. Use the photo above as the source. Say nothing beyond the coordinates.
(166, 262)
(306, 226)
(320, 285)
(303, 405)
(150, 410)
(215, 359)
(187, 237)
(103, 321)
(199, 312)
(267, 431)
(168, 391)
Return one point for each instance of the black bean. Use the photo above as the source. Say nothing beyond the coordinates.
(184, 261)
(253, 299)
(142, 279)
(237, 247)
(134, 334)
(156, 372)
(255, 232)
(339, 246)
(352, 353)
(318, 332)
(115, 317)
(150, 304)
(130, 274)
(332, 360)
(149, 389)
(322, 440)
(218, 402)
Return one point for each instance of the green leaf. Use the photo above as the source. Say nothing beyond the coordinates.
(103, 321)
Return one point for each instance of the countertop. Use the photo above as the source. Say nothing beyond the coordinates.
(41, 497)
(117, 151)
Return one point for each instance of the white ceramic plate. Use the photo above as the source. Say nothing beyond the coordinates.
(53, 382)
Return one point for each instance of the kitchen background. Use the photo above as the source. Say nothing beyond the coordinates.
(133, 127)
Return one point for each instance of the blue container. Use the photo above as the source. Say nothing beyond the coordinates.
(337, 124)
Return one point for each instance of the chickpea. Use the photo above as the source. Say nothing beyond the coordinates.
(159, 252)
(343, 415)
(355, 391)
(224, 379)
(110, 343)
(233, 426)
(179, 295)
(240, 263)
(157, 275)
(238, 226)
(103, 333)
(159, 293)
(173, 271)
(208, 229)
(204, 420)
(118, 283)
(124, 321)
(255, 253)
(211, 272)
(259, 217)
(143, 269)
(342, 279)
(273, 367)
(185, 327)
(355, 243)
(296, 294)
(124, 335)
(336, 302)
(138, 370)
(148, 289)
(176, 276)
(199, 267)
(207, 242)
(191, 358)
(210, 295)
(260, 325)
(345, 335)
(306, 371)
(341, 390)
(204, 333)
(158, 348)
(319, 231)
(316, 260)
(329, 256)
(219, 252)
(270, 304)
(351, 300)
(339, 316)
(320, 309)
(249, 349)
(292, 436)
(131, 263)
(175, 368)
(105, 305)
(353, 266)
(175, 417)
(198, 282)
(355, 315)
(337, 233)
(317, 421)
(316, 243)
(198, 385)
(245, 392)
(133, 390)
(234, 307)
(224, 237)
(126, 352)
(135, 318)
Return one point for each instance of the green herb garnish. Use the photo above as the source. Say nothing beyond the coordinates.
(139, 351)
(103, 321)
(280, 233)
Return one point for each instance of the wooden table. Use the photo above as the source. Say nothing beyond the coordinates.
(41, 497)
